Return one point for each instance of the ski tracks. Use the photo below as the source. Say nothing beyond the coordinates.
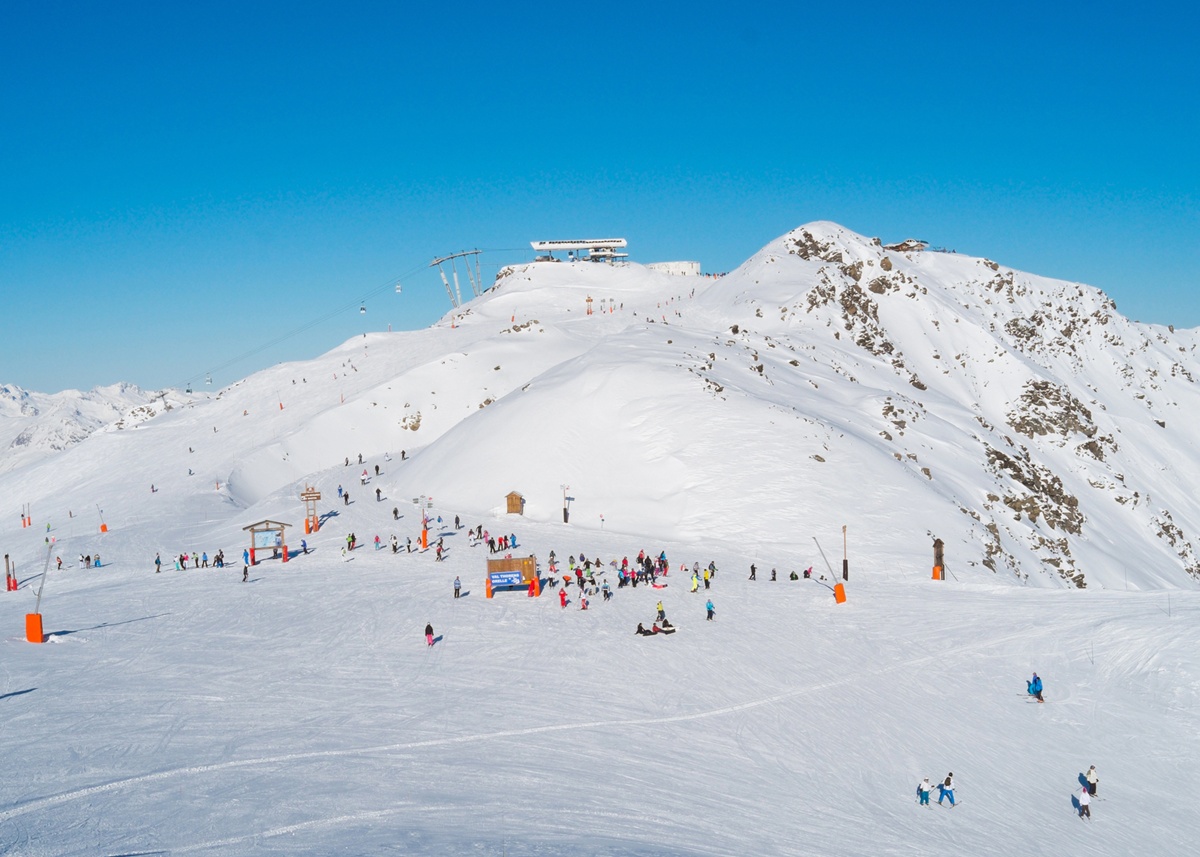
(403, 747)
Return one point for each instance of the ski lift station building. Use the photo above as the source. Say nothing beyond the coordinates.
(596, 249)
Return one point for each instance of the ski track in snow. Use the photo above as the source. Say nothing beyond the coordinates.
(387, 749)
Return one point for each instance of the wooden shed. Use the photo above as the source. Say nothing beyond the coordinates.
(516, 503)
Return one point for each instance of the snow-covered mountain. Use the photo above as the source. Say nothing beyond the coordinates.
(36, 425)
(829, 382)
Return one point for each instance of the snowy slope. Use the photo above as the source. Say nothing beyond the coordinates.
(827, 382)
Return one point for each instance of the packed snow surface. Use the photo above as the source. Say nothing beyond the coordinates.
(829, 382)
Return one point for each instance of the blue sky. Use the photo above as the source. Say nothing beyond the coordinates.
(184, 184)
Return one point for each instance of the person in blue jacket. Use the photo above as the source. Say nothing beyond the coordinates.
(1035, 688)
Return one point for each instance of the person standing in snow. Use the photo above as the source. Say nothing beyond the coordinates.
(923, 789)
(408, 544)
(1035, 688)
(395, 513)
(709, 607)
(457, 587)
(245, 573)
(753, 571)
(661, 613)
(1093, 780)
(346, 498)
(157, 563)
(1085, 804)
(946, 789)
(772, 575)
(706, 577)
(562, 597)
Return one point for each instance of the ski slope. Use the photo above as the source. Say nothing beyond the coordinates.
(743, 420)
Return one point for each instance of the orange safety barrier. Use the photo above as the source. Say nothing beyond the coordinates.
(104, 528)
(937, 573)
(839, 593)
(487, 587)
(33, 628)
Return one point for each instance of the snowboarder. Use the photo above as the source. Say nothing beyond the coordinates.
(1085, 804)
(709, 607)
(1093, 780)
(457, 587)
(753, 571)
(923, 789)
(1035, 688)
(946, 789)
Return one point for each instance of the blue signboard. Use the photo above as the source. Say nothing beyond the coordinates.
(505, 578)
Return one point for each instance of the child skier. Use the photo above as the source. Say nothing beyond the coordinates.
(923, 789)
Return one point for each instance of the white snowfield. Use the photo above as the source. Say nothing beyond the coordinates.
(1048, 441)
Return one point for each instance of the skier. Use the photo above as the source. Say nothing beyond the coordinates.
(376, 469)
(339, 492)
(59, 563)
(395, 543)
(709, 607)
(395, 513)
(562, 597)
(429, 634)
(204, 560)
(772, 575)
(457, 587)
(408, 544)
(157, 563)
(946, 788)
(923, 789)
(661, 613)
(1085, 804)
(1093, 780)
(606, 591)
(245, 573)
(303, 546)
(457, 525)
(377, 495)
(346, 499)
(1035, 688)
(706, 578)
(753, 571)
(377, 544)
(245, 557)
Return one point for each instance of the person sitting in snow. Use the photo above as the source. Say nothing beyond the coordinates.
(643, 632)
(1034, 686)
